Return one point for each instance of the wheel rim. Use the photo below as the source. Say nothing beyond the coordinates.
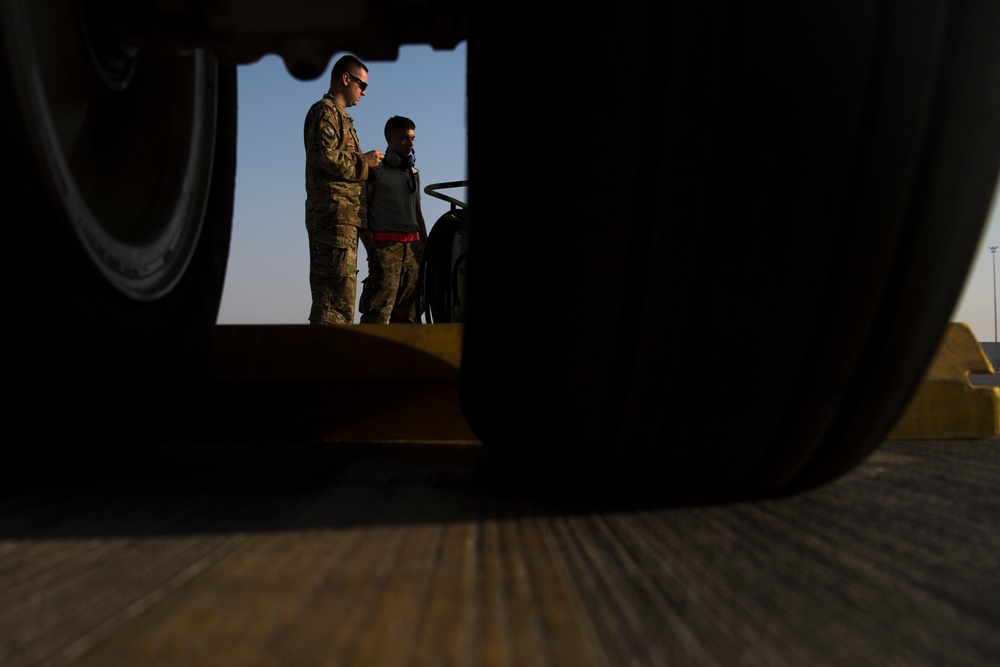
(123, 142)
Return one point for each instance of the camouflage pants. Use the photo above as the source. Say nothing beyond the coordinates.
(389, 293)
(333, 275)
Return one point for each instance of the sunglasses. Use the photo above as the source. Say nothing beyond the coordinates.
(361, 84)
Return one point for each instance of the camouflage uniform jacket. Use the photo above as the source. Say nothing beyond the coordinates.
(335, 170)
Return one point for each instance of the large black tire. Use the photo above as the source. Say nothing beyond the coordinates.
(440, 298)
(119, 177)
(750, 222)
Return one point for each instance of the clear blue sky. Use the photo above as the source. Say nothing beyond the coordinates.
(267, 281)
(268, 276)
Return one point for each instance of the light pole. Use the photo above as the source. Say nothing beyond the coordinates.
(993, 251)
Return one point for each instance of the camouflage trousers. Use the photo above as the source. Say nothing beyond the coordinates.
(333, 275)
(389, 293)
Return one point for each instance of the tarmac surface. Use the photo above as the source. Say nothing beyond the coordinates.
(411, 554)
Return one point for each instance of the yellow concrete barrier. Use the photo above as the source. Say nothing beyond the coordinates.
(946, 405)
(368, 382)
(399, 382)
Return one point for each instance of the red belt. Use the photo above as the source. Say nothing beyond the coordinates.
(396, 236)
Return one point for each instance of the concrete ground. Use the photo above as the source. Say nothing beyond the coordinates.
(329, 548)
(407, 554)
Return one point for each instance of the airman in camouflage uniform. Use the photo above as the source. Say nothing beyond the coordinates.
(396, 233)
(336, 171)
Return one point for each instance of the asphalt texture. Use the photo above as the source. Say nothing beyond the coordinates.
(410, 554)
